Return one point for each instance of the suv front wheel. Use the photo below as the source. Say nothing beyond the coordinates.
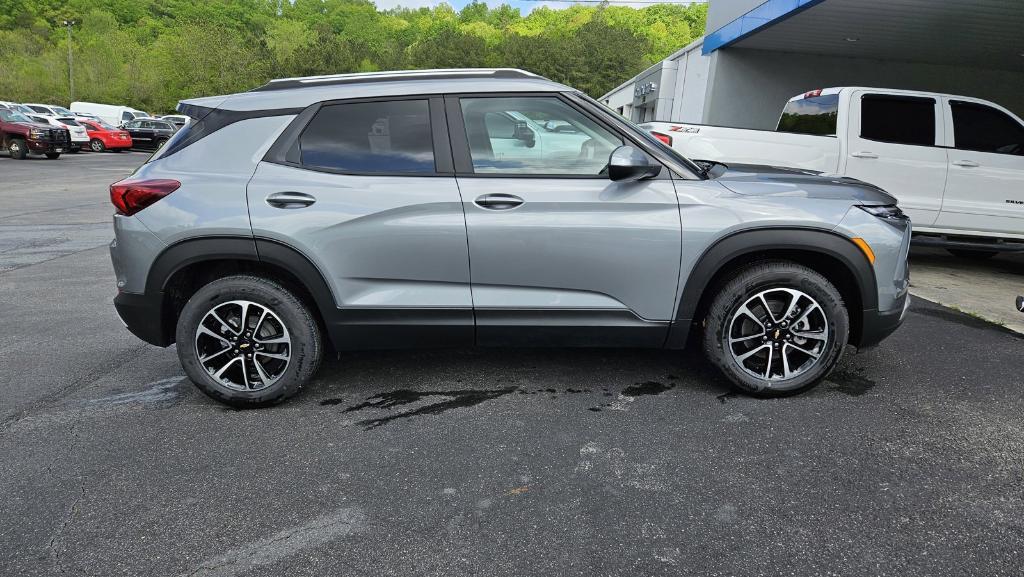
(777, 328)
(248, 341)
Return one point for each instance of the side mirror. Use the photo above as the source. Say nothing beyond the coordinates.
(523, 134)
(1020, 304)
(627, 164)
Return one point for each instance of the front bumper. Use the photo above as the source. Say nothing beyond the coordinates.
(43, 147)
(876, 326)
(143, 316)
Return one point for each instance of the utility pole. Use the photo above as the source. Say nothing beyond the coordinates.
(71, 70)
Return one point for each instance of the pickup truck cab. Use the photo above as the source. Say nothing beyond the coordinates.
(955, 163)
(20, 136)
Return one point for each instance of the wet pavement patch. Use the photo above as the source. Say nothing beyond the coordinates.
(724, 397)
(647, 388)
(851, 383)
(161, 394)
(448, 400)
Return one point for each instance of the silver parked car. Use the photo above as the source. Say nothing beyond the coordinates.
(425, 208)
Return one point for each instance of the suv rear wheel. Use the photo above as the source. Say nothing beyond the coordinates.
(248, 341)
(777, 328)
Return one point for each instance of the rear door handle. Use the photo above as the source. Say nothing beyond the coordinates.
(290, 200)
(966, 163)
(864, 154)
(498, 201)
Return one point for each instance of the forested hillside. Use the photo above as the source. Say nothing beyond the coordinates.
(152, 53)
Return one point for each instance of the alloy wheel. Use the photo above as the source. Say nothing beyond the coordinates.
(243, 345)
(778, 334)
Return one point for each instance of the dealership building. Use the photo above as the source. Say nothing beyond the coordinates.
(758, 54)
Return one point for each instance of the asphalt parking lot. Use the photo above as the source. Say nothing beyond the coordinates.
(908, 461)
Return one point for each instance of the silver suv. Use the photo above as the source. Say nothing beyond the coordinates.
(484, 207)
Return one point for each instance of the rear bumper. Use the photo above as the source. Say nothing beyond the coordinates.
(876, 325)
(142, 316)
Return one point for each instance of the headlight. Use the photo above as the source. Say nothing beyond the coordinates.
(888, 212)
(38, 133)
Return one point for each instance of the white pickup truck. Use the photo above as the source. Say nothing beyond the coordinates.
(956, 164)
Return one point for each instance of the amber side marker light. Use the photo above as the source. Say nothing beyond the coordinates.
(865, 248)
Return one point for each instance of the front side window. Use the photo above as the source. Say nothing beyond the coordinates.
(985, 129)
(898, 119)
(816, 115)
(510, 136)
(372, 137)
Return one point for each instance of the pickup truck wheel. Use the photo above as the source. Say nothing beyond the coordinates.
(248, 341)
(776, 328)
(97, 145)
(17, 148)
(53, 155)
(972, 254)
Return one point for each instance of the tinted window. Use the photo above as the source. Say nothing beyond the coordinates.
(370, 137)
(40, 109)
(163, 125)
(125, 116)
(69, 121)
(10, 116)
(898, 119)
(507, 136)
(985, 129)
(815, 115)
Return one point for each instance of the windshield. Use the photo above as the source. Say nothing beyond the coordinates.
(647, 137)
(62, 111)
(816, 115)
(11, 116)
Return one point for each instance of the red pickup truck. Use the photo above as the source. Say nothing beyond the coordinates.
(20, 136)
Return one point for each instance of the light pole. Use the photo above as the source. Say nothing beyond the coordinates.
(71, 72)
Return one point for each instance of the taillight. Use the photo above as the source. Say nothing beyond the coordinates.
(131, 196)
(663, 137)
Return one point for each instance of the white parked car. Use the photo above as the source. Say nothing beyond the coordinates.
(79, 136)
(955, 163)
(48, 109)
(178, 120)
(111, 114)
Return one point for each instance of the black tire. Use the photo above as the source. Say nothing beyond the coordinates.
(75, 149)
(160, 143)
(305, 347)
(746, 284)
(53, 155)
(972, 254)
(17, 149)
(96, 145)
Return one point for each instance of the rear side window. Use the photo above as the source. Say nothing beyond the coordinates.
(898, 119)
(985, 129)
(372, 137)
(816, 115)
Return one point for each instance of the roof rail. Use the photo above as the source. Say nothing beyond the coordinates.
(367, 77)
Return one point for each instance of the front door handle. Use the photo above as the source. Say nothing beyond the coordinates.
(864, 154)
(498, 201)
(290, 200)
(966, 163)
